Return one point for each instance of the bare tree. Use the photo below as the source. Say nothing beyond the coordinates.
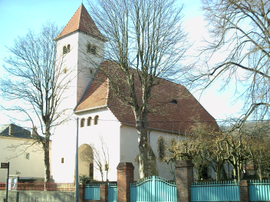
(238, 51)
(257, 137)
(146, 40)
(34, 85)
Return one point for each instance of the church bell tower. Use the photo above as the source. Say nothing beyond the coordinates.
(79, 53)
(80, 50)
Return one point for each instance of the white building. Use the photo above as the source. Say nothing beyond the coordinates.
(16, 147)
(105, 123)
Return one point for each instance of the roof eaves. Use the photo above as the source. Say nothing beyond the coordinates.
(90, 109)
(155, 129)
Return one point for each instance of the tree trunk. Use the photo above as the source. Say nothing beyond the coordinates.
(143, 142)
(147, 159)
(47, 162)
(46, 148)
(219, 170)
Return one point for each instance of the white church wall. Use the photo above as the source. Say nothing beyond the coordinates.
(64, 144)
(64, 138)
(105, 138)
(130, 150)
(63, 152)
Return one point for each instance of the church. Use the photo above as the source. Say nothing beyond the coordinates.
(105, 125)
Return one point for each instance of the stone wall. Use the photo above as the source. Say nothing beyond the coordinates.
(37, 196)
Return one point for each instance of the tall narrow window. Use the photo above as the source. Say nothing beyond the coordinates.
(91, 170)
(89, 119)
(161, 148)
(82, 122)
(96, 120)
(62, 160)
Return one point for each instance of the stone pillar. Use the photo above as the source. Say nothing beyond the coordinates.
(81, 193)
(104, 192)
(244, 192)
(125, 176)
(183, 179)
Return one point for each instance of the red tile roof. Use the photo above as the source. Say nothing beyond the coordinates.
(177, 116)
(81, 21)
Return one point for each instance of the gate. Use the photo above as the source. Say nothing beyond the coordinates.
(153, 189)
(112, 192)
(92, 191)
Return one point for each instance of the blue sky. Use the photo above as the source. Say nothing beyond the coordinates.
(18, 16)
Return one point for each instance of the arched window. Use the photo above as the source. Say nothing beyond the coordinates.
(161, 149)
(82, 122)
(68, 48)
(96, 120)
(86, 160)
(91, 49)
(89, 119)
(94, 50)
(64, 50)
(62, 160)
(173, 145)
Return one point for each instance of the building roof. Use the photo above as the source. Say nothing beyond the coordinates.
(81, 21)
(12, 130)
(172, 107)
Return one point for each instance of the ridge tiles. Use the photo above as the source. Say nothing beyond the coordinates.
(82, 21)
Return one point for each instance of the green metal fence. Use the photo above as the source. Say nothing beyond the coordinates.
(92, 191)
(153, 189)
(215, 191)
(112, 192)
(259, 190)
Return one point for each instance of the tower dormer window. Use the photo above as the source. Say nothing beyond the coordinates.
(91, 49)
(66, 49)
(94, 50)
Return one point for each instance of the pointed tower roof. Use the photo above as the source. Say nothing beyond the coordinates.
(81, 21)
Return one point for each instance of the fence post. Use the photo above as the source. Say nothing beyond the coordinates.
(125, 176)
(244, 192)
(183, 179)
(104, 192)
